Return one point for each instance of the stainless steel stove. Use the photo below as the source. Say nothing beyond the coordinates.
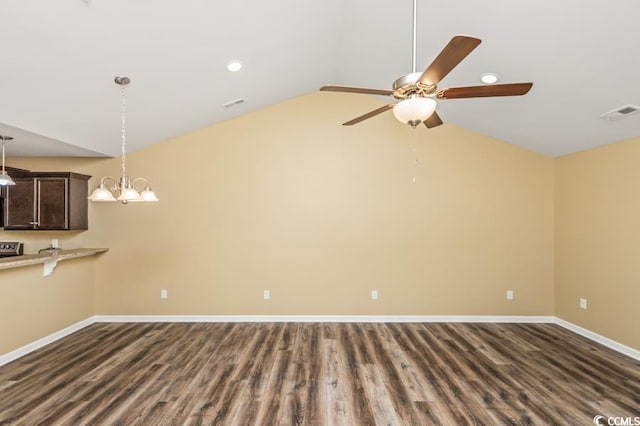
(11, 248)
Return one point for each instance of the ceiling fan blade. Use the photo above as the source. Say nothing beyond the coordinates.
(369, 115)
(513, 89)
(433, 121)
(458, 48)
(346, 89)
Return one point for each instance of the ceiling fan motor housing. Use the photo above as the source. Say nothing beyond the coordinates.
(408, 85)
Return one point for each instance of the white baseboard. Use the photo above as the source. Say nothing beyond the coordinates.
(619, 347)
(15, 354)
(320, 318)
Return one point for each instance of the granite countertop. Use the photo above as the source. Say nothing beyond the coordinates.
(34, 259)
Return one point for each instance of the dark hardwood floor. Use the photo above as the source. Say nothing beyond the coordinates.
(319, 374)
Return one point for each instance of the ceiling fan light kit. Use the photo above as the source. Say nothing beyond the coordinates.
(417, 92)
(414, 110)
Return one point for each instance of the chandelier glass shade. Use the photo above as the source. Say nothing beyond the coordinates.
(5, 179)
(123, 189)
(126, 190)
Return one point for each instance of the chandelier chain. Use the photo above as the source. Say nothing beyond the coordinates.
(124, 131)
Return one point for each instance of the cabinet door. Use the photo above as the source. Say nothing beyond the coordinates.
(19, 204)
(52, 206)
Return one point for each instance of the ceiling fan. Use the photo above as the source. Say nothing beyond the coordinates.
(417, 92)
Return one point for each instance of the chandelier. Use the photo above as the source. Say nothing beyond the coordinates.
(5, 179)
(123, 189)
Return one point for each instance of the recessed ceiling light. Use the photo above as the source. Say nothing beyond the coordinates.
(489, 78)
(234, 66)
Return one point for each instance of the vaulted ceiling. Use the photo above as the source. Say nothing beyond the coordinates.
(59, 58)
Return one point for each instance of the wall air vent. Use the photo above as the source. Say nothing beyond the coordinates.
(622, 112)
(233, 103)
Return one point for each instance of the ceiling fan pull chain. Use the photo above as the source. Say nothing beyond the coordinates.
(415, 156)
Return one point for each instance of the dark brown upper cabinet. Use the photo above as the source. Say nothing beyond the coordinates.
(46, 201)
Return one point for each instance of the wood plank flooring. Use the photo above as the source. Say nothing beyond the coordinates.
(319, 374)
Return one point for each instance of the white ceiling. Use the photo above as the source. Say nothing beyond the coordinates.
(59, 58)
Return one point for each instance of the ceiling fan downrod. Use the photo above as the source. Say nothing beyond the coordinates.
(415, 42)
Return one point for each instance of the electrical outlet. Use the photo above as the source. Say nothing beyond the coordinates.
(266, 295)
(163, 294)
(509, 294)
(374, 294)
(54, 243)
(583, 303)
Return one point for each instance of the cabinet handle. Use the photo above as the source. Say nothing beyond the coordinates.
(34, 223)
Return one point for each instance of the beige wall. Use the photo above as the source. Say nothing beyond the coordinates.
(33, 306)
(288, 200)
(598, 240)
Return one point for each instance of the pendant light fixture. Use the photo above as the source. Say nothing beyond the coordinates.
(124, 189)
(5, 179)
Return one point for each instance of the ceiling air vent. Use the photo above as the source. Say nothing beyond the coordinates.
(233, 103)
(622, 112)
